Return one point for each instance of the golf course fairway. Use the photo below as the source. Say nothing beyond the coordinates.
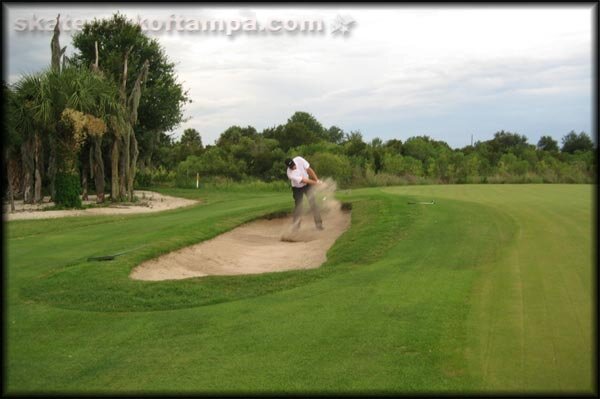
(489, 289)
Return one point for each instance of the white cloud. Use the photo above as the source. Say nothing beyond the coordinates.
(397, 60)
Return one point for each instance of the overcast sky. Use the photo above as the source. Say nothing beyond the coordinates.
(447, 72)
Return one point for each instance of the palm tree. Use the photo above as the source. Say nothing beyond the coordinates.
(111, 105)
(64, 107)
(127, 140)
(97, 98)
(27, 94)
(132, 108)
(42, 101)
(12, 143)
(111, 111)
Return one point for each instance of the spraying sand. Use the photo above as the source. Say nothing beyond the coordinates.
(257, 247)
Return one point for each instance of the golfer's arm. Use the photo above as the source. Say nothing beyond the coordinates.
(312, 174)
(308, 181)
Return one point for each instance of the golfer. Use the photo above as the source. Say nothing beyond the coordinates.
(303, 177)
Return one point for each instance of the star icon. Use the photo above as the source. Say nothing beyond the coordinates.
(342, 24)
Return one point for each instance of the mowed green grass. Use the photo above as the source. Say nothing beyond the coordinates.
(490, 289)
(534, 306)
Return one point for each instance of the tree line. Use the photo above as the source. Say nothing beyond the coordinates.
(242, 153)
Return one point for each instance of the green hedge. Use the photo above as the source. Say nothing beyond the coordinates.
(68, 189)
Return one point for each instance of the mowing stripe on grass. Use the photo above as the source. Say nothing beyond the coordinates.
(472, 294)
(533, 304)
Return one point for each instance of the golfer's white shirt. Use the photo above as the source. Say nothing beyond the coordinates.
(297, 174)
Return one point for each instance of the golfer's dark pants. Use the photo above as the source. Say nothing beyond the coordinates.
(299, 193)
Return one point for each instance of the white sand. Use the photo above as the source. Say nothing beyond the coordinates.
(148, 201)
(257, 247)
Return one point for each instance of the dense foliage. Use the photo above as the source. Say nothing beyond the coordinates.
(242, 153)
(68, 190)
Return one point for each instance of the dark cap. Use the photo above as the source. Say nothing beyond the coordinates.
(289, 162)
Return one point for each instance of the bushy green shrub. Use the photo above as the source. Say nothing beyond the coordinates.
(213, 162)
(383, 179)
(155, 176)
(332, 165)
(143, 180)
(68, 189)
(221, 183)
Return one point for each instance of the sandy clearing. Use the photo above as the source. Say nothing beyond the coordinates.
(148, 201)
(260, 246)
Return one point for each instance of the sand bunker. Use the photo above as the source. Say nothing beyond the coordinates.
(148, 201)
(257, 247)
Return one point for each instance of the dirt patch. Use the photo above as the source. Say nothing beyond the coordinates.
(257, 247)
(148, 201)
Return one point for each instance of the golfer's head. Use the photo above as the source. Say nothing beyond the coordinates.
(290, 163)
